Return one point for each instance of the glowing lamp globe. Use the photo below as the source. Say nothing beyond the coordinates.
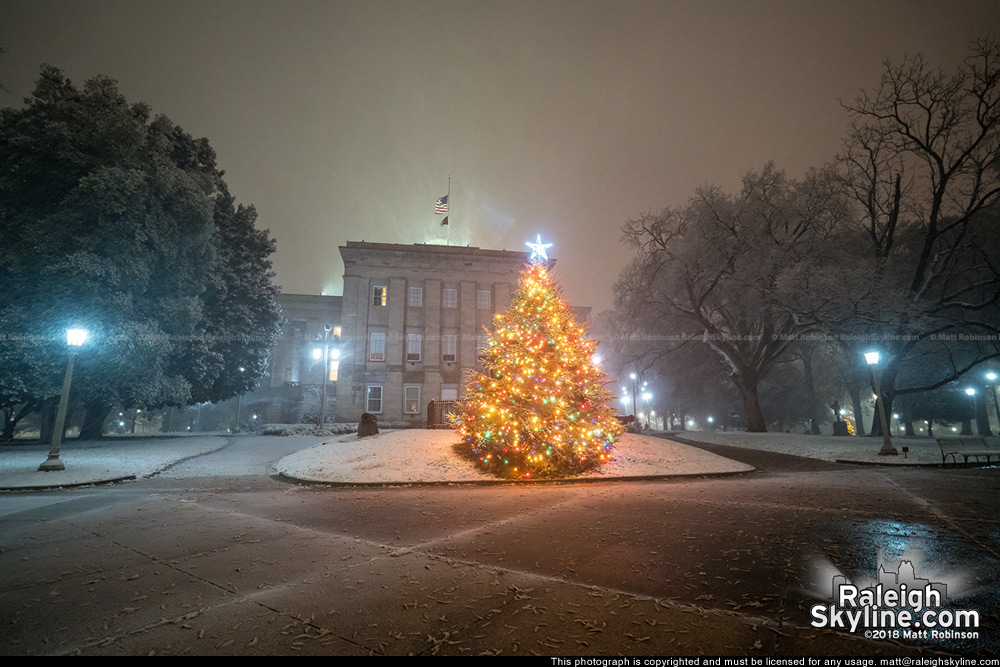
(872, 357)
(76, 337)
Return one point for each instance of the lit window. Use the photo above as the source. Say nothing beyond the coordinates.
(413, 341)
(483, 299)
(334, 369)
(411, 399)
(450, 298)
(376, 346)
(336, 331)
(416, 297)
(380, 295)
(374, 402)
(449, 347)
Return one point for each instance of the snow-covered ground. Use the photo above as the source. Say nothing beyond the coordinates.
(420, 455)
(402, 456)
(99, 461)
(859, 449)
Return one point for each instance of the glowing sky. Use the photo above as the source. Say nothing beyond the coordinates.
(342, 120)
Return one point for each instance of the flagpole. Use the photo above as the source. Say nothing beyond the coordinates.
(448, 239)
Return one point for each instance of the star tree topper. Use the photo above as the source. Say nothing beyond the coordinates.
(538, 248)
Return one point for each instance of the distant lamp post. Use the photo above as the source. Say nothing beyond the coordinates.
(991, 377)
(872, 357)
(899, 423)
(74, 338)
(635, 390)
(971, 393)
(239, 402)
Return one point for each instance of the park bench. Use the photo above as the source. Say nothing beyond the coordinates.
(966, 447)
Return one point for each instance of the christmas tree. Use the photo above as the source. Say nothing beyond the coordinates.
(541, 410)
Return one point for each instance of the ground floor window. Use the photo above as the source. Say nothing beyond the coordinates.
(411, 399)
(449, 394)
(374, 402)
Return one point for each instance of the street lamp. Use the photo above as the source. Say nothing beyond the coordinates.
(872, 357)
(74, 338)
(899, 423)
(971, 393)
(239, 402)
(325, 354)
(991, 377)
(635, 390)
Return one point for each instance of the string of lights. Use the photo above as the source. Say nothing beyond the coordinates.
(542, 408)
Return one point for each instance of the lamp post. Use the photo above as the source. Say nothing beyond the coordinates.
(325, 353)
(971, 393)
(239, 403)
(74, 338)
(991, 377)
(872, 357)
(635, 381)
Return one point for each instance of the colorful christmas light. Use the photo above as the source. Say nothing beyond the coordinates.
(542, 408)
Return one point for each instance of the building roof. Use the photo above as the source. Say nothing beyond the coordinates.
(451, 250)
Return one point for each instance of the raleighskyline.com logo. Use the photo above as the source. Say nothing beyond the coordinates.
(898, 606)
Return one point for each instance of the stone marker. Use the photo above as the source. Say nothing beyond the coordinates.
(368, 425)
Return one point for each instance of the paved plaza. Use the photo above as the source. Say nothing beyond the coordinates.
(214, 555)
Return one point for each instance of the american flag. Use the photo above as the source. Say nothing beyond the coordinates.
(441, 206)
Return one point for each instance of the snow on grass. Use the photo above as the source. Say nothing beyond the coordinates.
(88, 462)
(422, 455)
(861, 449)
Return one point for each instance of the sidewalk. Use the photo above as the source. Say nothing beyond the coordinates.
(114, 459)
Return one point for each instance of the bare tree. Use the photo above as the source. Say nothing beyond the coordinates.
(922, 162)
(715, 269)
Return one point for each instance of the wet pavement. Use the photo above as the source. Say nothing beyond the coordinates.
(215, 557)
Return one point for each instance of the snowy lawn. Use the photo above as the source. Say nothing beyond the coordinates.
(860, 449)
(98, 461)
(421, 455)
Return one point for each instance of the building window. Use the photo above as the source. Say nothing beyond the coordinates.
(374, 402)
(413, 342)
(449, 299)
(482, 342)
(380, 295)
(449, 347)
(376, 346)
(483, 299)
(411, 399)
(334, 370)
(336, 332)
(416, 297)
(449, 394)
